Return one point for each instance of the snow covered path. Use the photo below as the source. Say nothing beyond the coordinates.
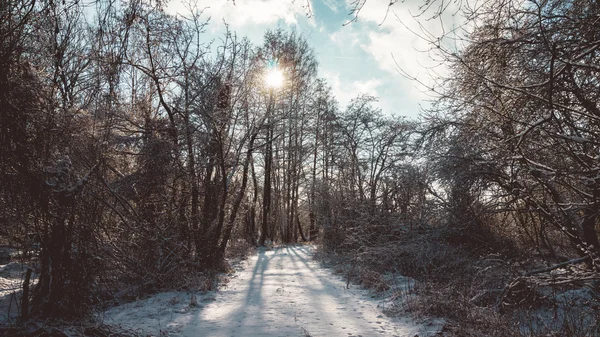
(281, 292)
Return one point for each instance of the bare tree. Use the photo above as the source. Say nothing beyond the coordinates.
(522, 98)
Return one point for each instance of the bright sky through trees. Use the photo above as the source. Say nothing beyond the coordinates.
(363, 57)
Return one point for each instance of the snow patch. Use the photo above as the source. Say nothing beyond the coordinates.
(11, 281)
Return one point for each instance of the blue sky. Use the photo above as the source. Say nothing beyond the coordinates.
(359, 58)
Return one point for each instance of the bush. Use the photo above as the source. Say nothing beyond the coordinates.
(462, 275)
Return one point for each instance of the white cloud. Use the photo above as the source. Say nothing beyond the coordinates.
(368, 87)
(346, 90)
(247, 12)
(347, 36)
(401, 42)
(333, 5)
(396, 96)
(342, 95)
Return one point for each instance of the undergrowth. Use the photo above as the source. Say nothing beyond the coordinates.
(466, 278)
(188, 278)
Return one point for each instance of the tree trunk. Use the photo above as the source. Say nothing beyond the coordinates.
(25, 298)
(300, 228)
(267, 185)
(252, 211)
(240, 197)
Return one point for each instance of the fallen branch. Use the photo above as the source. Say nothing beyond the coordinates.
(556, 266)
(568, 281)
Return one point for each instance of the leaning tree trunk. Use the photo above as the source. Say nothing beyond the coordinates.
(239, 198)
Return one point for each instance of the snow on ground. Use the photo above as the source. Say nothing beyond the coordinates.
(279, 292)
(11, 280)
(577, 308)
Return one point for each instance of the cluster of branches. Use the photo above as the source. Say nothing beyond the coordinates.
(515, 132)
(508, 150)
(367, 175)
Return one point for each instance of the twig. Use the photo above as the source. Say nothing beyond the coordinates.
(556, 266)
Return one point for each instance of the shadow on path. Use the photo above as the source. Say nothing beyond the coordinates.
(283, 292)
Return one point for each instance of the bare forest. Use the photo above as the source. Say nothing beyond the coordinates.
(138, 156)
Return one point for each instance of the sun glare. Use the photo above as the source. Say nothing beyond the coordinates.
(274, 78)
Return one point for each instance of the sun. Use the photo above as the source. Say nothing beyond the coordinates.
(274, 78)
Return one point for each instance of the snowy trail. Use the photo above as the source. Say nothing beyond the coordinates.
(283, 292)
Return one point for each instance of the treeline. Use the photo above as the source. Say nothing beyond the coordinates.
(140, 151)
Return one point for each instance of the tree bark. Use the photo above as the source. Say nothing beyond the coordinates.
(25, 299)
(239, 198)
(268, 165)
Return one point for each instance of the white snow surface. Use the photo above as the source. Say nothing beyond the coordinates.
(278, 292)
(11, 281)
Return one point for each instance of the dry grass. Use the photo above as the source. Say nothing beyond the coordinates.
(463, 278)
(238, 249)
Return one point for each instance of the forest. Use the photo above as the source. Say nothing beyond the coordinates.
(136, 156)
